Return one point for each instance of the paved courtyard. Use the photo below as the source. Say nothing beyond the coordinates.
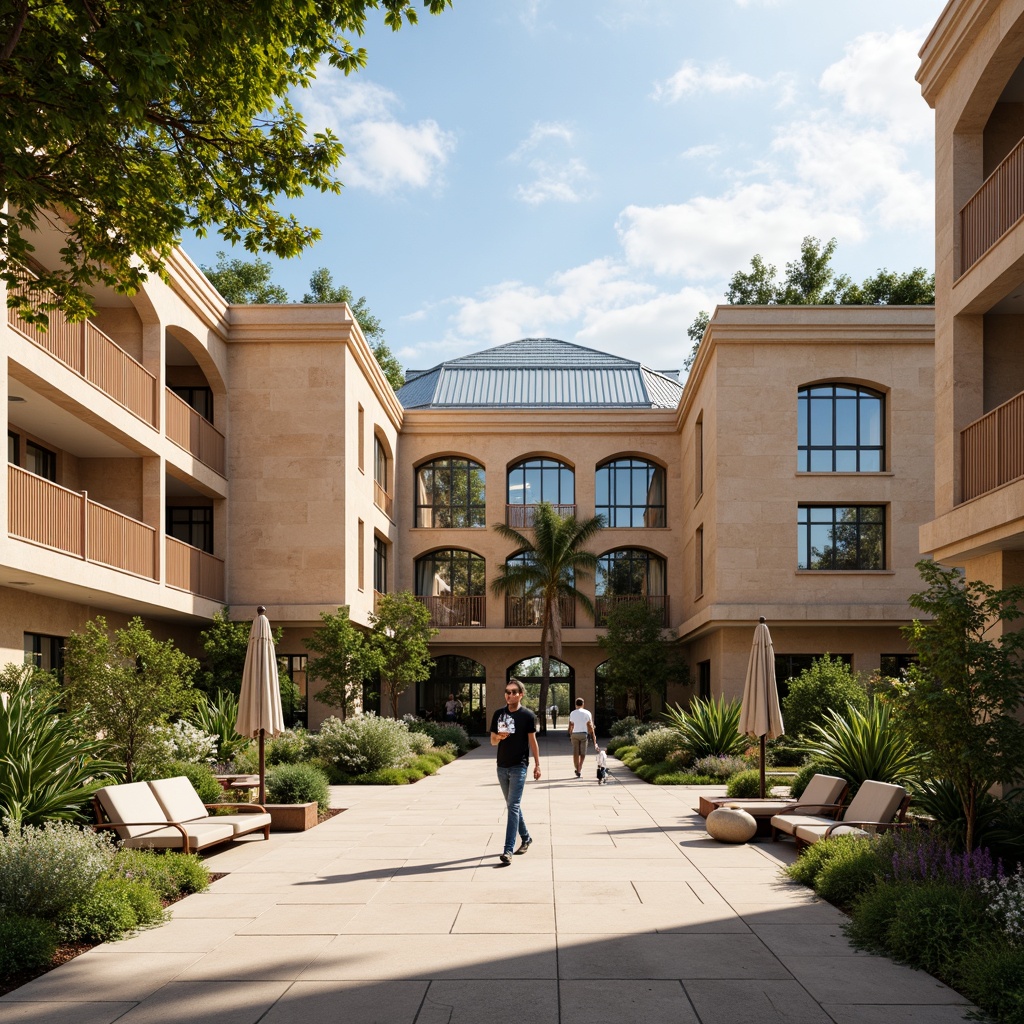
(398, 912)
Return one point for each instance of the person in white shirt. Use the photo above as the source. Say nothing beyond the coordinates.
(581, 727)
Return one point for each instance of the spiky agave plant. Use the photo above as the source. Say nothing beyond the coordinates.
(710, 727)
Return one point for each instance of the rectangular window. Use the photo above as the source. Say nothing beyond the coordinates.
(789, 666)
(200, 399)
(360, 438)
(294, 699)
(704, 680)
(380, 464)
(45, 652)
(698, 457)
(892, 666)
(13, 448)
(841, 537)
(380, 565)
(698, 557)
(191, 524)
(41, 461)
(361, 556)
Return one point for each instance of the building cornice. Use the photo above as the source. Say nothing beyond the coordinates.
(193, 288)
(955, 31)
(530, 422)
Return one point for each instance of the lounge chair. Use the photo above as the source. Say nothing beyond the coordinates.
(180, 802)
(876, 807)
(823, 795)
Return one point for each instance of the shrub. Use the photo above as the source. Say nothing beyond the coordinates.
(169, 875)
(420, 742)
(443, 732)
(720, 766)
(813, 859)
(656, 745)
(114, 907)
(747, 784)
(1005, 896)
(625, 726)
(709, 727)
(872, 914)
(46, 870)
(26, 944)
(938, 799)
(676, 778)
(298, 784)
(217, 717)
(365, 743)
(182, 741)
(290, 747)
(200, 775)
(617, 743)
(647, 772)
(828, 683)
(849, 874)
(992, 975)
(916, 855)
(383, 777)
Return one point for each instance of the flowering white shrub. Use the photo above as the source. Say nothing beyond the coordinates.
(1006, 902)
(363, 744)
(183, 741)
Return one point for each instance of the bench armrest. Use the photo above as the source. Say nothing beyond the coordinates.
(821, 809)
(880, 825)
(255, 808)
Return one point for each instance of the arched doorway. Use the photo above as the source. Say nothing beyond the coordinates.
(562, 691)
(466, 679)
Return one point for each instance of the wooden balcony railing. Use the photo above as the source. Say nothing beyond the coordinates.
(604, 605)
(193, 570)
(382, 499)
(451, 612)
(992, 449)
(47, 514)
(993, 209)
(520, 517)
(526, 612)
(86, 350)
(195, 433)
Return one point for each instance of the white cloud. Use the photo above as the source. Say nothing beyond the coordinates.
(383, 154)
(542, 132)
(556, 177)
(706, 151)
(692, 80)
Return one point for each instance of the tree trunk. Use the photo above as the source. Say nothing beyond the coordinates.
(545, 669)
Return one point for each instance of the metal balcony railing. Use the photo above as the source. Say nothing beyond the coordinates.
(382, 499)
(604, 605)
(527, 612)
(520, 517)
(450, 612)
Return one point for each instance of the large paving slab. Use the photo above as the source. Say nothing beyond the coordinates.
(398, 912)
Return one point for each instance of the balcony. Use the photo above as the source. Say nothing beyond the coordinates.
(194, 571)
(603, 606)
(993, 209)
(526, 612)
(85, 350)
(47, 514)
(450, 612)
(382, 499)
(520, 517)
(992, 449)
(194, 433)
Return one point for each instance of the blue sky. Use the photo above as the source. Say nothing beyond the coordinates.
(596, 171)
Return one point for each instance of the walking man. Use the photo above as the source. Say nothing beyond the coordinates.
(514, 733)
(581, 727)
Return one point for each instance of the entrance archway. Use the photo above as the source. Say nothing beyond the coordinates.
(461, 676)
(562, 691)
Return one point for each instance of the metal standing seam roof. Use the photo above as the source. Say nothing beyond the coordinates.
(540, 373)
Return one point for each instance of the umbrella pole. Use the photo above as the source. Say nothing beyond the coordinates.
(762, 766)
(262, 769)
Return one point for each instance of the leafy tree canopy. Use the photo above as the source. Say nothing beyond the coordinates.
(344, 660)
(129, 123)
(400, 642)
(811, 280)
(224, 647)
(245, 281)
(829, 684)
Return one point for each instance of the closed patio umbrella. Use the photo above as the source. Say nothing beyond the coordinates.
(259, 702)
(760, 714)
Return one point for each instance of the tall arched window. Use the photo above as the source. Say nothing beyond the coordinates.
(523, 610)
(381, 485)
(452, 583)
(451, 493)
(630, 576)
(631, 492)
(840, 429)
(533, 481)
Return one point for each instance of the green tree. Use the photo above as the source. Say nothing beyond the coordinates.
(962, 701)
(224, 645)
(345, 660)
(138, 121)
(555, 561)
(244, 281)
(642, 657)
(400, 641)
(323, 289)
(812, 281)
(126, 684)
(828, 685)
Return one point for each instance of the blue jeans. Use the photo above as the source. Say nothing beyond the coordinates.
(512, 782)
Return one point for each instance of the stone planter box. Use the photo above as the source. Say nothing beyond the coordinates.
(292, 817)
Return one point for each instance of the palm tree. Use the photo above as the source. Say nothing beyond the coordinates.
(554, 561)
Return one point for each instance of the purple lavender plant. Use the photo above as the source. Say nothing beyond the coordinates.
(922, 856)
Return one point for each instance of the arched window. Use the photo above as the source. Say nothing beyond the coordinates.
(631, 492)
(381, 488)
(533, 481)
(522, 610)
(630, 576)
(451, 493)
(452, 584)
(561, 688)
(840, 429)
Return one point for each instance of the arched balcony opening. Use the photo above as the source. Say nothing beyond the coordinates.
(452, 584)
(533, 481)
(630, 576)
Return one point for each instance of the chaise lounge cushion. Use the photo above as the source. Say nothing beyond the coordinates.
(822, 795)
(141, 822)
(179, 801)
(876, 804)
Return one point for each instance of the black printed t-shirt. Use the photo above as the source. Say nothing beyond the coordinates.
(514, 750)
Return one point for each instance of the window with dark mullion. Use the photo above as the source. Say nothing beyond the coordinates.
(840, 429)
(841, 537)
(192, 524)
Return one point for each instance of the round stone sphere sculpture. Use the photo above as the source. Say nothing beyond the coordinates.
(731, 825)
